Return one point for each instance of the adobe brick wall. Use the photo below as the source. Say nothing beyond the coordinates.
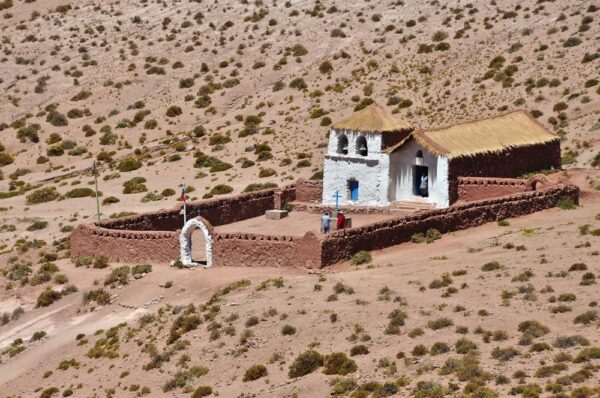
(309, 191)
(121, 242)
(250, 250)
(341, 245)
(124, 246)
(154, 236)
(510, 163)
(478, 188)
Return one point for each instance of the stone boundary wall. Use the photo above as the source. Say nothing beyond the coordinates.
(478, 188)
(341, 245)
(124, 246)
(154, 236)
(320, 209)
(308, 191)
(252, 250)
(114, 239)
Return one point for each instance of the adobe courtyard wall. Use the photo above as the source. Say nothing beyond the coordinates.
(478, 188)
(341, 245)
(511, 163)
(89, 240)
(154, 236)
(134, 239)
(252, 250)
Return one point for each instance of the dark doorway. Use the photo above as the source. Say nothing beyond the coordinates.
(421, 183)
(353, 190)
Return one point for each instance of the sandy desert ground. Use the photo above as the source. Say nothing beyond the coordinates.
(228, 96)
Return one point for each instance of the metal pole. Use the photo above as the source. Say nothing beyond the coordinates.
(97, 196)
(184, 205)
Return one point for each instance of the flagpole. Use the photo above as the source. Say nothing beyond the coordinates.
(96, 184)
(184, 206)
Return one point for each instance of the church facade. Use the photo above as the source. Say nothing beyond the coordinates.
(374, 158)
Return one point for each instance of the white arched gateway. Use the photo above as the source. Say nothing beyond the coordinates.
(185, 242)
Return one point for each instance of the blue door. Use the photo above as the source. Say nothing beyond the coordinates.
(354, 191)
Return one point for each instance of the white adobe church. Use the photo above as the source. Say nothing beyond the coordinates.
(375, 158)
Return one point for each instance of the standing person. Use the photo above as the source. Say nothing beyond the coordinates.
(341, 219)
(325, 223)
(423, 186)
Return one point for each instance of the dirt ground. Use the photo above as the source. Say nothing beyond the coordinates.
(549, 242)
(297, 223)
(222, 95)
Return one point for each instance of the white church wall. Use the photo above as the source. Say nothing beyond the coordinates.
(370, 171)
(402, 183)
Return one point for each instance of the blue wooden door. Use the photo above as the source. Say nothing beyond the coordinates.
(354, 190)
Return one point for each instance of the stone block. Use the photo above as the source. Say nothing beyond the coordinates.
(276, 214)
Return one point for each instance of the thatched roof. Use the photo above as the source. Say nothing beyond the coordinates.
(512, 130)
(373, 119)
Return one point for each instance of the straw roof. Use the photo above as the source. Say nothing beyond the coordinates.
(512, 130)
(373, 119)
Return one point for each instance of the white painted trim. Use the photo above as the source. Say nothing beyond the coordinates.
(185, 242)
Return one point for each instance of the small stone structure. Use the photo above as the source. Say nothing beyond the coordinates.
(276, 214)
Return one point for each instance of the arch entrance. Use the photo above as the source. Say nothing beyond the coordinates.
(185, 242)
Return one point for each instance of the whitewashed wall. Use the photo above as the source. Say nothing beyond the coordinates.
(401, 186)
(371, 172)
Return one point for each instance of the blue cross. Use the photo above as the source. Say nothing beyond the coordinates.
(337, 197)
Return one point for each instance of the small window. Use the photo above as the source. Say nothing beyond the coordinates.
(361, 146)
(342, 145)
(420, 153)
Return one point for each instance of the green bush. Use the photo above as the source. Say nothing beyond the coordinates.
(533, 328)
(338, 363)
(255, 372)
(110, 200)
(202, 391)
(491, 266)
(326, 67)
(134, 185)
(80, 193)
(6, 159)
(37, 225)
(360, 349)
(173, 111)
(221, 189)
(183, 324)
(47, 297)
(141, 269)
(288, 330)
(118, 275)
(49, 392)
(266, 172)
(257, 186)
(129, 164)
(361, 257)
(55, 150)
(57, 119)
(42, 195)
(432, 235)
(305, 363)
(565, 203)
(440, 323)
(100, 296)
(100, 262)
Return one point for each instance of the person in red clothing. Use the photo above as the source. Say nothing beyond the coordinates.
(340, 221)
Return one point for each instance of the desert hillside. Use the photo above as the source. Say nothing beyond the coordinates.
(507, 309)
(233, 96)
